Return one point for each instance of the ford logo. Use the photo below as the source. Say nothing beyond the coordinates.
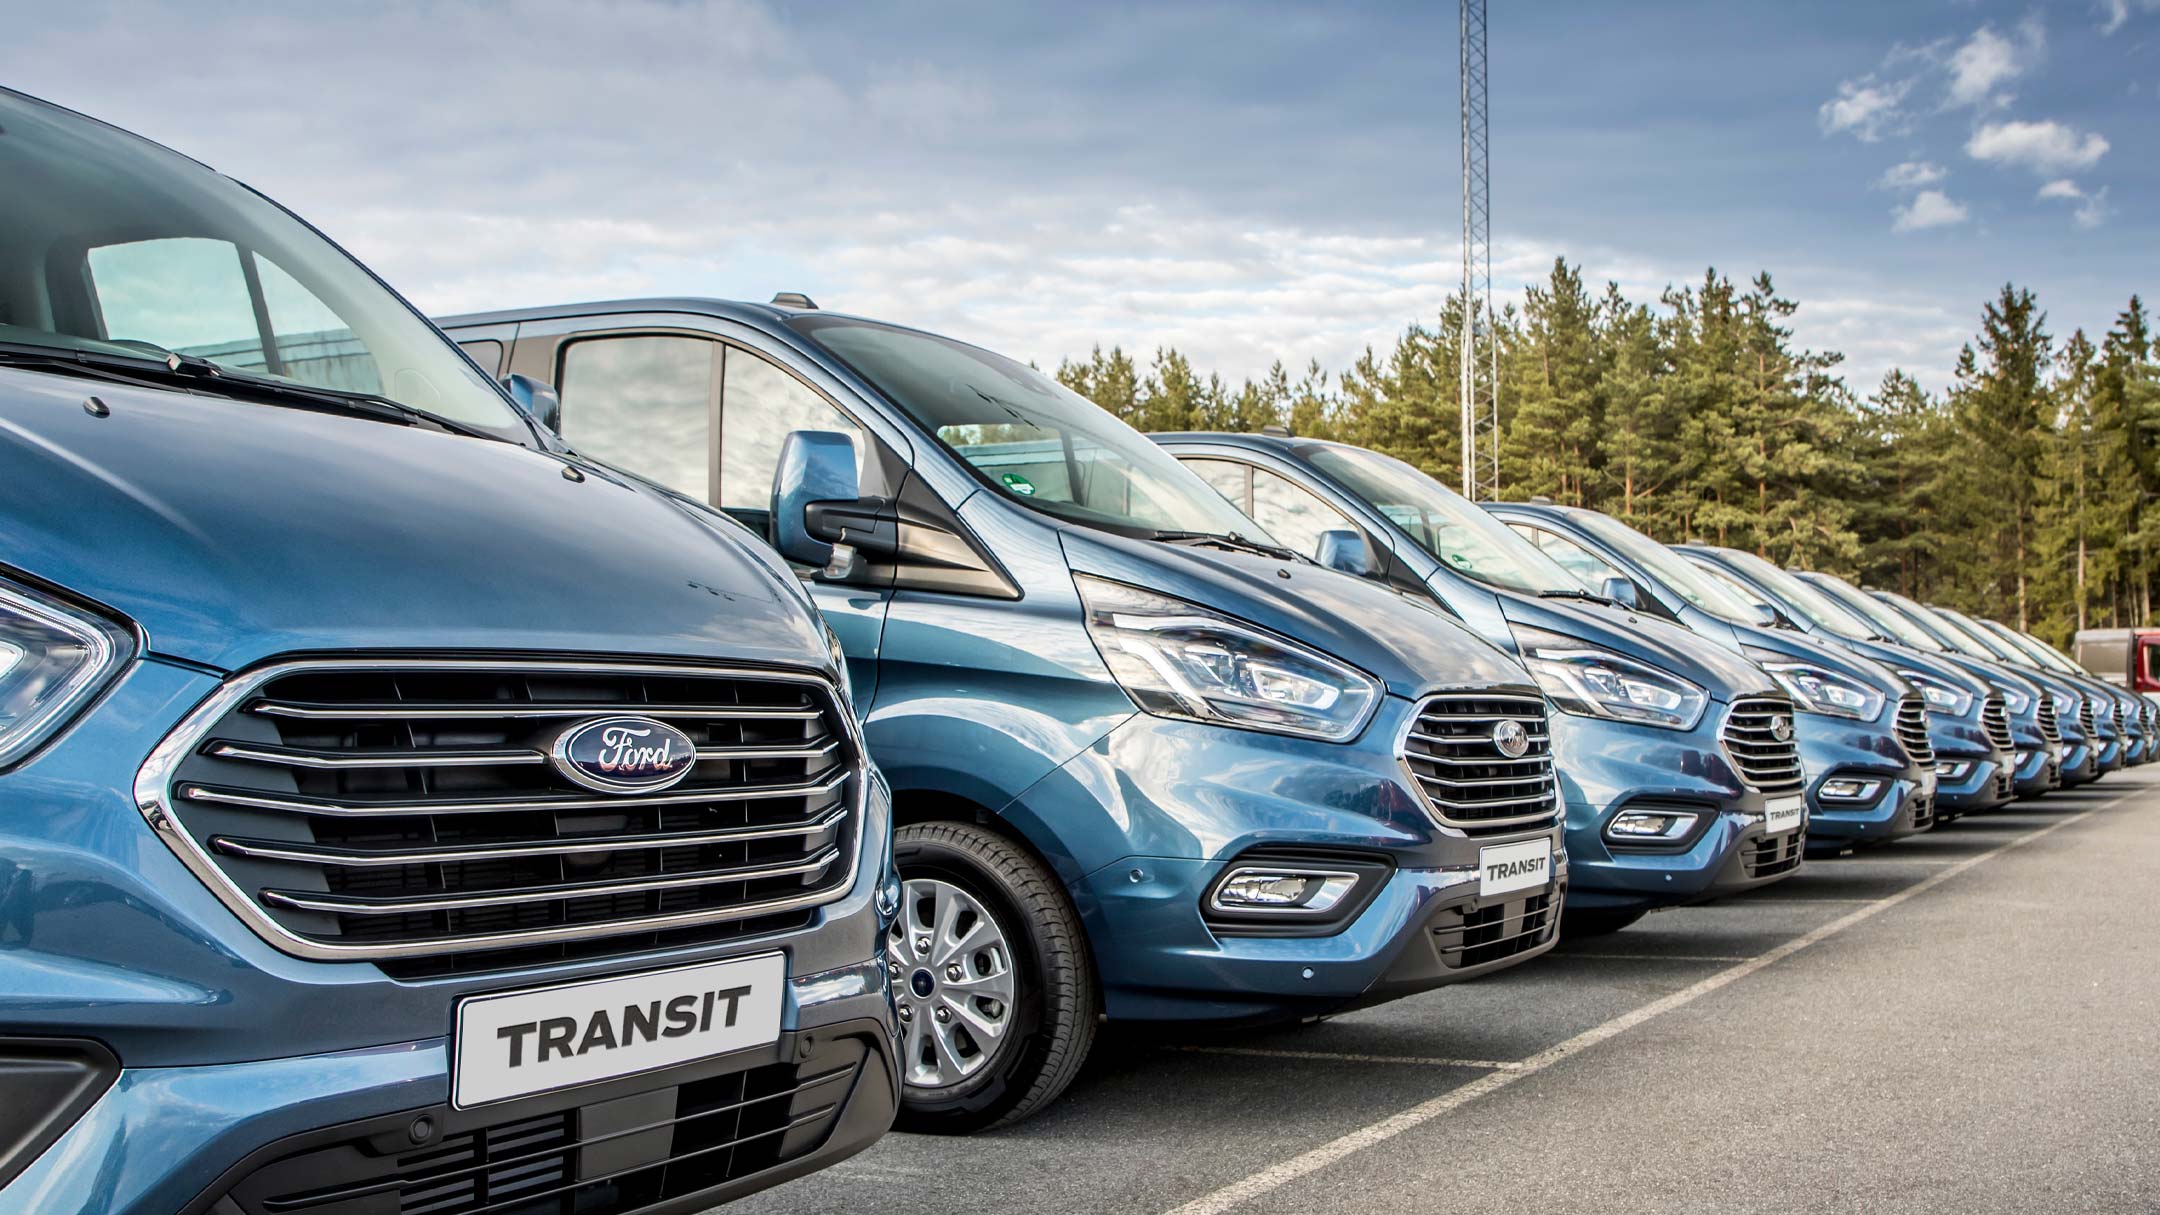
(624, 754)
(1510, 739)
(1781, 728)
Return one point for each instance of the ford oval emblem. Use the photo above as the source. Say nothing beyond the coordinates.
(1510, 739)
(624, 754)
(1781, 728)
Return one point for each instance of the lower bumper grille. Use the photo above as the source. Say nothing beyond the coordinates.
(1923, 811)
(1496, 931)
(1772, 855)
(615, 1156)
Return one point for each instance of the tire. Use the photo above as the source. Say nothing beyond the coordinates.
(1596, 923)
(949, 873)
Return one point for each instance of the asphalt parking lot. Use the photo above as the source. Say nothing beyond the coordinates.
(1966, 1020)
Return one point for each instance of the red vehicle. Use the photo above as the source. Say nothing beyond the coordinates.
(2128, 658)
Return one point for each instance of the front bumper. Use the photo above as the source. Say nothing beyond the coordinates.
(2038, 769)
(292, 1135)
(1833, 748)
(1181, 802)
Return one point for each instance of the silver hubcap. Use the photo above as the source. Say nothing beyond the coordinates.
(953, 980)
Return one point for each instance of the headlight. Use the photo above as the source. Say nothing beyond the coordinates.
(1594, 682)
(1816, 690)
(1178, 659)
(2015, 701)
(2065, 704)
(1941, 697)
(53, 659)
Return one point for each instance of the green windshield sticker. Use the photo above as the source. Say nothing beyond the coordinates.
(1019, 485)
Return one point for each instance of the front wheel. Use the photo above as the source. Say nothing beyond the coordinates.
(991, 977)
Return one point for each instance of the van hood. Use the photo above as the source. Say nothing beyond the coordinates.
(1898, 657)
(1405, 641)
(1802, 648)
(1717, 670)
(230, 532)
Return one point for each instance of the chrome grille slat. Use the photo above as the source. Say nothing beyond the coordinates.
(1995, 719)
(1751, 743)
(1448, 750)
(1912, 731)
(406, 810)
(2050, 727)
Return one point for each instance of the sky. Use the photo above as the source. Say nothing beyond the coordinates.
(1247, 182)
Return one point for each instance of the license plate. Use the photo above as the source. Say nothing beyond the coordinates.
(525, 1042)
(1518, 866)
(1783, 814)
(1927, 783)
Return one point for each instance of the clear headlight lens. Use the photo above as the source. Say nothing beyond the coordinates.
(1178, 659)
(2015, 701)
(54, 658)
(2065, 705)
(1816, 690)
(1941, 697)
(1594, 682)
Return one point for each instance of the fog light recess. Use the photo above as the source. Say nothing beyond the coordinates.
(1850, 789)
(1953, 769)
(1650, 826)
(1284, 891)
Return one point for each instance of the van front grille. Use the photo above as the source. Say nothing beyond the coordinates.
(1995, 719)
(1475, 936)
(409, 812)
(1772, 855)
(1759, 738)
(1912, 731)
(2085, 718)
(2050, 725)
(1483, 760)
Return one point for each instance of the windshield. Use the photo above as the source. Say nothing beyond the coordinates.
(1892, 624)
(1799, 599)
(1936, 627)
(1989, 643)
(113, 246)
(2041, 652)
(1038, 441)
(1676, 572)
(1442, 522)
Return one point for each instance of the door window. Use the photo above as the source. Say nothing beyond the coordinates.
(1231, 479)
(644, 404)
(485, 351)
(1291, 513)
(1572, 557)
(759, 405)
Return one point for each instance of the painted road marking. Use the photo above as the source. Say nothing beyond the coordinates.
(1263, 1052)
(1657, 957)
(1283, 1173)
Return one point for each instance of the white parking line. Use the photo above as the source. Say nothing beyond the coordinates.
(1278, 1175)
(1658, 957)
(1420, 1060)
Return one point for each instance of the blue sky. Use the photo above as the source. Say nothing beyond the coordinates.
(1244, 181)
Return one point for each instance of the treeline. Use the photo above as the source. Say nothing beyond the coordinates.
(2027, 492)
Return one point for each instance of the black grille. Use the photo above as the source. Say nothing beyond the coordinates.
(1468, 781)
(619, 1156)
(1995, 719)
(1912, 731)
(2085, 718)
(409, 814)
(1474, 936)
(1923, 812)
(1768, 856)
(2050, 725)
(1765, 761)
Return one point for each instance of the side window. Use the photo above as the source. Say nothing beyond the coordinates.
(645, 404)
(759, 405)
(1230, 478)
(238, 309)
(487, 352)
(1572, 557)
(1291, 513)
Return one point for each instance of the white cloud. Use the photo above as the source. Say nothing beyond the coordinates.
(2114, 14)
(2064, 188)
(2043, 147)
(1987, 59)
(1911, 175)
(1869, 110)
(1928, 209)
(2092, 208)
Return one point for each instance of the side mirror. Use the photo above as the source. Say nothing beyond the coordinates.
(535, 400)
(1343, 549)
(1622, 592)
(819, 516)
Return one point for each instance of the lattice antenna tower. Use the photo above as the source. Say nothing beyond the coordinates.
(1480, 355)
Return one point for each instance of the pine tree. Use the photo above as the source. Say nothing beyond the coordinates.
(1999, 402)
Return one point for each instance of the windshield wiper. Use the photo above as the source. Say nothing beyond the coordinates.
(1585, 596)
(186, 371)
(1230, 540)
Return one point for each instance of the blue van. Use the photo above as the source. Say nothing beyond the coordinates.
(1988, 783)
(1668, 799)
(2115, 717)
(400, 814)
(2028, 691)
(1146, 763)
(1864, 743)
(1956, 701)
(2135, 712)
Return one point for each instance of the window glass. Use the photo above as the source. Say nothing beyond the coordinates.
(1231, 479)
(643, 404)
(1679, 575)
(485, 351)
(1291, 513)
(1570, 556)
(1875, 612)
(186, 293)
(1799, 598)
(315, 346)
(759, 405)
(1442, 522)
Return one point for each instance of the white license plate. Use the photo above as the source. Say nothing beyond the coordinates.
(525, 1042)
(1927, 783)
(1783, 814)
(1518, 866)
